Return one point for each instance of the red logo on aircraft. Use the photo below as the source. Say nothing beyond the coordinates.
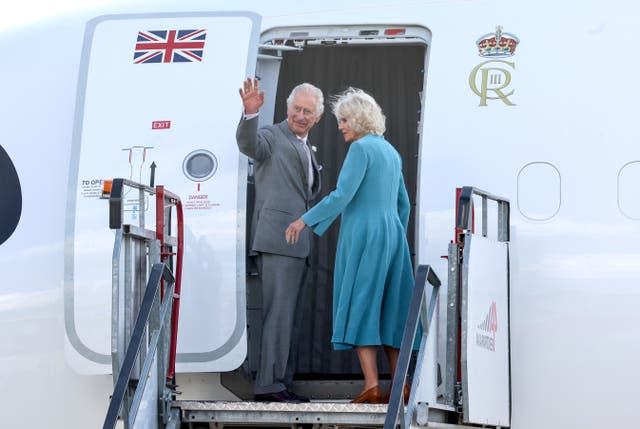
(488, 327)
(490, 322)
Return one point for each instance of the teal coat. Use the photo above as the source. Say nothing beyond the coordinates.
(373, 275)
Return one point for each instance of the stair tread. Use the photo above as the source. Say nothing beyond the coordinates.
(314, 406)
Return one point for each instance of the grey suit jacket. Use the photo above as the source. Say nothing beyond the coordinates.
(282, 192)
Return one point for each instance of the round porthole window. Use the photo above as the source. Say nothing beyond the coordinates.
(200, 165)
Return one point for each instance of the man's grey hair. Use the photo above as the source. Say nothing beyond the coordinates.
(307, 88)
(361, 111)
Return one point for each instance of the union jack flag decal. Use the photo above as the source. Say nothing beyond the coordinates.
(169, 46)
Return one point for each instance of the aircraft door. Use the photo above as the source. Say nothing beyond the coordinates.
(158, 97)
(375, 68)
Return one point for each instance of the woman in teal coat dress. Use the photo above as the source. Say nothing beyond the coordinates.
(373, 275)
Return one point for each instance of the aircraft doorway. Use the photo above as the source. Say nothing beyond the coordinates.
(392, 71)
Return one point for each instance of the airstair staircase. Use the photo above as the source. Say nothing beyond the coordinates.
(146, 294)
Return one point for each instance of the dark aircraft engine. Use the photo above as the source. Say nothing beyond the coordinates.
(10, 197)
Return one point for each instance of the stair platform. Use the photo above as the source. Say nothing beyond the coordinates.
(316, 413)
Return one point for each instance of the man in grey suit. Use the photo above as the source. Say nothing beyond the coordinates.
(286, 178)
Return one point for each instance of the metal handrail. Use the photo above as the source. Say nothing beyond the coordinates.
(150, 302)
(162, 195)
(160, 337)
(115, 199)
(417, 311)
(464, 219)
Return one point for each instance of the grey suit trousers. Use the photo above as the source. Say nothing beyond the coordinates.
(281, 278)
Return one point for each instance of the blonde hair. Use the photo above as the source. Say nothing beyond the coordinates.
(307, 88)
(360, 110)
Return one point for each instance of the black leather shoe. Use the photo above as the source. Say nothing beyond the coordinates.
(282, 396)
(298, 397)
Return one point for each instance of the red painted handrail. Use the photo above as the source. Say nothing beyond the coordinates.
(163, 195)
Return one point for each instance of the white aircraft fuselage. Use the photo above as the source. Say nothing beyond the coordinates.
(547, 119)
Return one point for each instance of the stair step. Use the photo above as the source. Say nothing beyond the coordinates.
(343, 413)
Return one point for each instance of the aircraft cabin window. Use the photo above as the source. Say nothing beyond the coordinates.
(628, 195)
(10, 197)
(539, 191)
(200, 165)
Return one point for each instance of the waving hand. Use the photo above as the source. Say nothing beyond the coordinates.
(252, 97)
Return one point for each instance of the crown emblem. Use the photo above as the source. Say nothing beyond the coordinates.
(497, 44)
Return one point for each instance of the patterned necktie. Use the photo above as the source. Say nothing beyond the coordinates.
(309, 164)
